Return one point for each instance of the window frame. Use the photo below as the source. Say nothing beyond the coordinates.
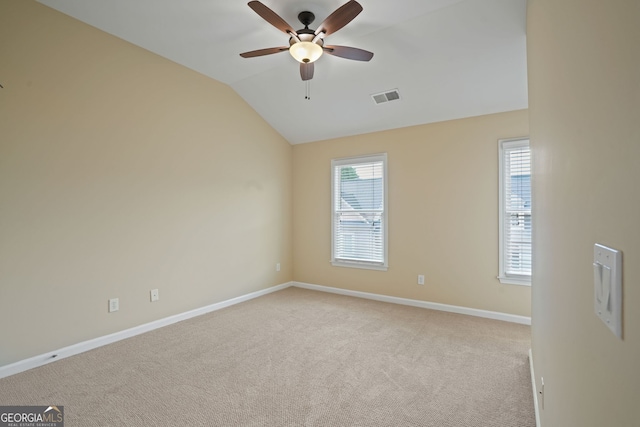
(503, 276)
(351, 161)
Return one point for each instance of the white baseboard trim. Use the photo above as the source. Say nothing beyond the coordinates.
(43, 359)
(423, 304)
(535, 390)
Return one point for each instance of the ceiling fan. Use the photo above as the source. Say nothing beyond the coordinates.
(307, 45)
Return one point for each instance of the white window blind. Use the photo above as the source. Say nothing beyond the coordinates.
(515, 211)
(359, 217)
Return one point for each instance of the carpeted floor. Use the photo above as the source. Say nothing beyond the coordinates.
(297, 358)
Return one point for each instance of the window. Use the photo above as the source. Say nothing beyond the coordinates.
(359, 212)
(515, 211)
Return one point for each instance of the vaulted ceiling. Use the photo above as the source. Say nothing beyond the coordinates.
(448, 58)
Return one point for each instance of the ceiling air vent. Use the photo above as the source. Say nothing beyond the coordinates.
(381, 98)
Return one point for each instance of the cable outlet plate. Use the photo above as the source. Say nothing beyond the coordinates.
(155, 295)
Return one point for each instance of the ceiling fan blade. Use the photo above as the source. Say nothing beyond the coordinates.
(271, 17)
(306, 70)
(262, 52)
(340, 17)
(349, 52)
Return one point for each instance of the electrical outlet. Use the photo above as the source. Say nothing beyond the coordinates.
(155, 295)
(114, 305)
(420, 279)
(278, 267)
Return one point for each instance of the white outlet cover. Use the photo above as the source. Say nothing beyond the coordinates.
(607, 278)
(114, 305)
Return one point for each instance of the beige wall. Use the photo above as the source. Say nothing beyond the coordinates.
(584, 92)
(443, 213)
(121, 172)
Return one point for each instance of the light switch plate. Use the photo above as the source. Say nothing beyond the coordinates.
(607, 278)
(114, 305)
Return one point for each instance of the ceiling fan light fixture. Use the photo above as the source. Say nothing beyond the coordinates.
(305, 52)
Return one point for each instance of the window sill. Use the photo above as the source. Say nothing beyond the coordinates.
(515, 281)
(361, 265)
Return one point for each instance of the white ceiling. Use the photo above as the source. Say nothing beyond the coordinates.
(449, 58)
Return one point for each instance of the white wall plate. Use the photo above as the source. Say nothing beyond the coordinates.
(607, 275)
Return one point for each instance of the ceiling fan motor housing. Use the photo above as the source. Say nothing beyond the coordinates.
(304, 37)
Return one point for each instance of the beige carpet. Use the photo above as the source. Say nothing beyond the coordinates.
(297, 358)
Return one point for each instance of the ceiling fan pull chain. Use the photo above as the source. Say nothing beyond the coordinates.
(307, 94)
